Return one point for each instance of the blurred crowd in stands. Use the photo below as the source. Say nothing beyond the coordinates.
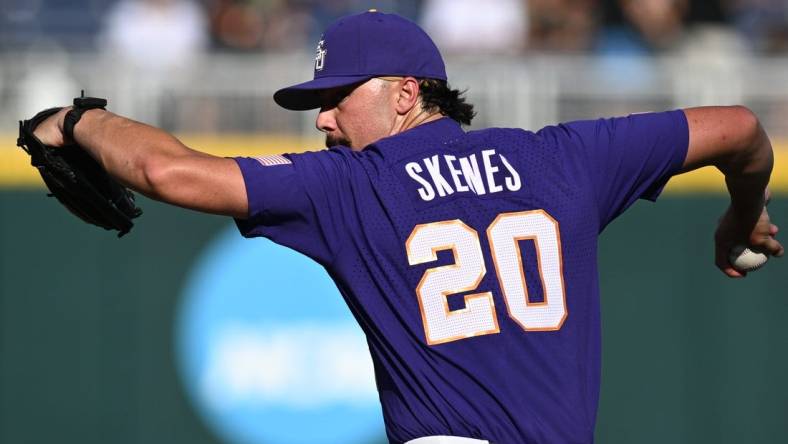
(166, 31)
(148, 44)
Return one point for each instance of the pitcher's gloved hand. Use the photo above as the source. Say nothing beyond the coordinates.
(74, 177)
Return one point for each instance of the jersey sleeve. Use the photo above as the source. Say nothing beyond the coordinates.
(293, 201)
(625, 158)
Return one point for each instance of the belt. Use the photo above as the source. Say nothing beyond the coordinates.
(446, 440)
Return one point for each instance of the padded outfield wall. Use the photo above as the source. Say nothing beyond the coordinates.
(88, 323)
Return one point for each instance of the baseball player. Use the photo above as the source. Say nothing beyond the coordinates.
(467, 258)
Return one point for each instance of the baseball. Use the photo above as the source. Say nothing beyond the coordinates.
(743, 259)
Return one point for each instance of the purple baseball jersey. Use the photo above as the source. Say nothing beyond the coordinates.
(469, 259)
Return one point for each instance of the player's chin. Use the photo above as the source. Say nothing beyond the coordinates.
(332, 141)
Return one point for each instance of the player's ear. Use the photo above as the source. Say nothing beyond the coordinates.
(408, 95)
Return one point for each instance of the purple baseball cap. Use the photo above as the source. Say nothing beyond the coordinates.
(362, 46)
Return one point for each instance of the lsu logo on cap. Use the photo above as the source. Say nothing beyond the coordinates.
(320, 55)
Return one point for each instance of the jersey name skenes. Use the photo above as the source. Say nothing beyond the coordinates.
(465, 174)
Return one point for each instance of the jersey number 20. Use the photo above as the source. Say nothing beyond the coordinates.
(479, 316)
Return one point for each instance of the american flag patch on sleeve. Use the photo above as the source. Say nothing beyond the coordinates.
(276, 159)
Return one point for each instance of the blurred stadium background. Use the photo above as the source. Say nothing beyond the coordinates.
(126, 341)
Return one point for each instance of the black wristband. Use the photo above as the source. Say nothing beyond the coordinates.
(81, 104)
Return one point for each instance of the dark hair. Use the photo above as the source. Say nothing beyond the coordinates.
(437, 94)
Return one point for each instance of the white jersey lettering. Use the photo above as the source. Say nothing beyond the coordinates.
(425, 192)
(455, 174)
(465, 173)
(512, 181)
(434, 168)
(491, 170)
(470, 169)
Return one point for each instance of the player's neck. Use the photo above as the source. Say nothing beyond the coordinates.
(417, 116)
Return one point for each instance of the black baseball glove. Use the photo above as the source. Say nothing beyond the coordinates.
(75, 178)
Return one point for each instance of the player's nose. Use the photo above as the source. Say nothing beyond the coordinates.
(325, 120)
